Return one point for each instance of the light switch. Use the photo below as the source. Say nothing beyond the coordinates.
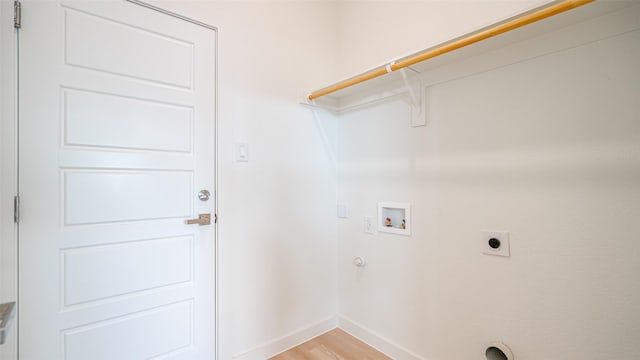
(242, 152)
(343, 211)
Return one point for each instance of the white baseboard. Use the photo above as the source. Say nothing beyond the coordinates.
(377, 341)
(295, 338)
(288, 341)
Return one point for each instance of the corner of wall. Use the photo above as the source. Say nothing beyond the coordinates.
(376, 340)
(288, 341)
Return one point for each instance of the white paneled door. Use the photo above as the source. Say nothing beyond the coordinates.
(117, 114)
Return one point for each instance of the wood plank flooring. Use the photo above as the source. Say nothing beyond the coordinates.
(334, 345)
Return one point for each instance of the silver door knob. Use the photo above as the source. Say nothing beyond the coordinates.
(204, 195)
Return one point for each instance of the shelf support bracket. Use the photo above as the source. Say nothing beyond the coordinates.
(417, 96)
(325, 139)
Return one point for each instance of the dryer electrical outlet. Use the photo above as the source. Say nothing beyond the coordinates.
(495, 243)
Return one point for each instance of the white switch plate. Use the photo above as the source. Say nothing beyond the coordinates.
(343, 211)
(242, 152)
(368, 224)
(502, 236)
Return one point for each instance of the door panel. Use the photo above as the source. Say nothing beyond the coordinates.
(120, 122)
(117, 108)
(91, 40)
(93, 197)
(88, 273)
(147, 334)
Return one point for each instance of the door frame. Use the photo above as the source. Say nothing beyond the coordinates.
(9, 166)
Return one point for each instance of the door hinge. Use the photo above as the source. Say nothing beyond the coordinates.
(16, 209)
(17, 14)
(215, 218)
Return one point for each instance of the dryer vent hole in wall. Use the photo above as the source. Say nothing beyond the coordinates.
(493, 353)
(498, 351)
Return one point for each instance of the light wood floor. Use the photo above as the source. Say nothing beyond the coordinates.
(334, 345)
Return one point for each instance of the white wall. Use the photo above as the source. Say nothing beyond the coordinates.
(568, 179)
(277, 243)
(546, 149)
(278, 271)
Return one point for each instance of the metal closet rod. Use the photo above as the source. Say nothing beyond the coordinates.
(520, 21)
